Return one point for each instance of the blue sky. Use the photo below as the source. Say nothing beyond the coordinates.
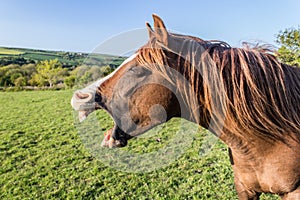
(82, 25)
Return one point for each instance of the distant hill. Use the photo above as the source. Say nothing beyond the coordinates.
(68, 59)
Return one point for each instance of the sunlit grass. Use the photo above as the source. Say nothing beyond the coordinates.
(5, 51)
(42, 157)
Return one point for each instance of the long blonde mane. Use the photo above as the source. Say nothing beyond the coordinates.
(248, 88)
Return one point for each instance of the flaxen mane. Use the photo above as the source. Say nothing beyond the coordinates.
(248, 88)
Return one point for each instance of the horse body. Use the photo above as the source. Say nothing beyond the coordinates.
(271, 168)
(244, 96)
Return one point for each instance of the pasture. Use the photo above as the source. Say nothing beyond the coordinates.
(42, 157)
(8, 51)
(67, 58)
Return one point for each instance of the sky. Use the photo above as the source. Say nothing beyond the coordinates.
(80, 26)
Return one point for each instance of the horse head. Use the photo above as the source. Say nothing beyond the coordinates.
(137, 95)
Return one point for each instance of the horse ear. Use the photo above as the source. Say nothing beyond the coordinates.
(160, 30)
(150, 30)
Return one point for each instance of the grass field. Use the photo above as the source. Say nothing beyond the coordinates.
(42, 157)
(78, 58)
(6, 51)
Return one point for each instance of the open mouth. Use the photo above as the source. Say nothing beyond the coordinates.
(85, 105)
(114, 137)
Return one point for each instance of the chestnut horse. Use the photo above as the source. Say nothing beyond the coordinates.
(243, 95)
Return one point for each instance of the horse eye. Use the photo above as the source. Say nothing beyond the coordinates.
(133, 69)
(136, 70)
(139, 71)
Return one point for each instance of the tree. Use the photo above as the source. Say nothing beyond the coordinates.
(48, 73)
(86, 74)
(289, 52)
(105, 70)
(70, 81)
(20, 82)
(4, 78)
(9, 74)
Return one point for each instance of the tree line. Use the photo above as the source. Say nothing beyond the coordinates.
(49, 73)
(19, 72)
(289, 41)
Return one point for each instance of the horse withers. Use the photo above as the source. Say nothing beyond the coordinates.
(245, 96)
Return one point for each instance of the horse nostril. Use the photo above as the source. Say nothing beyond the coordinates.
(136, 120)
(98, 98)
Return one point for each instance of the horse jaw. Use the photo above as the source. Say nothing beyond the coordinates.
(84, 103)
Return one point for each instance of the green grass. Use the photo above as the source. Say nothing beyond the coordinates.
(7, 51)
(80, 58)
(42, 156)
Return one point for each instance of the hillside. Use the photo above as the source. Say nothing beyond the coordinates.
(22, 68)
(68, 59)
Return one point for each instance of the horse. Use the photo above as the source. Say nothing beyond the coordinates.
(245, 96)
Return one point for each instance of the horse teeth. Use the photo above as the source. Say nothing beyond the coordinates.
(82, 118)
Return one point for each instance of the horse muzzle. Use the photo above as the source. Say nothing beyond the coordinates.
(85, 103)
